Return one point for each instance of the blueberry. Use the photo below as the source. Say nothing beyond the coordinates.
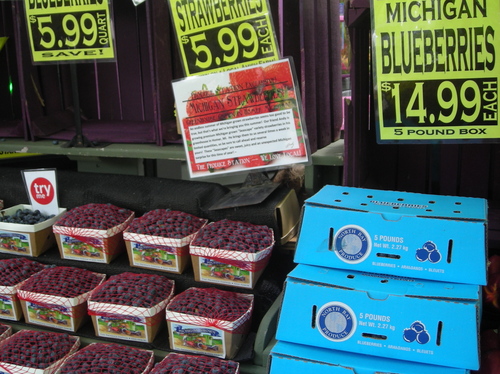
(409, 335)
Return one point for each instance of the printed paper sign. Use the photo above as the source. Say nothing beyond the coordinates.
(436, 76)
(244, 119)
(214, 35)
(41, 185)
(69, 30)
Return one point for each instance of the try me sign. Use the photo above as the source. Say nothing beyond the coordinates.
(41, 186)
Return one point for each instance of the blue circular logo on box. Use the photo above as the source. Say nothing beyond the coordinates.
(336, 321)
(352, 244)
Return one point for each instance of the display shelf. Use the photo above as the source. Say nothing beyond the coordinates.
(50, 147)
(256, 347)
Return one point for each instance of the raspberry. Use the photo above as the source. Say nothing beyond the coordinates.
(16, 270)
(175, 363)
(94, 216)
(234, 236)
(108, 358)
(35, 349)
(139, 290)
(166, 223)
(210, 303)
(62, 281)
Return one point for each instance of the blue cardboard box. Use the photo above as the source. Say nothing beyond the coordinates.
(409, 319)
(400, 233)
(297, 358)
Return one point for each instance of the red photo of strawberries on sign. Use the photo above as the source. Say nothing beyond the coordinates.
(241, 119)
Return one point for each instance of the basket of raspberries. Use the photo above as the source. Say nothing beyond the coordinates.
(26, 231)
(160, 239)
(92, 232)
(109, 358)
(57, 296)
(130, 306)
(13, 272)
(175, 363)
(231, 252)
(36, 352)
(209, 321)
(5, 331)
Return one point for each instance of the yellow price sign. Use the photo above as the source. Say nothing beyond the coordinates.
(436, 77)
(69, 30)
(219, 35)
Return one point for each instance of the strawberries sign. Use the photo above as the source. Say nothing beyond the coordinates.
(242, 119)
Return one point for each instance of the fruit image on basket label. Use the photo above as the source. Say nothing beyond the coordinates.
(158, 257)
(6, 307)
(58, 316)
(123, 328)
(15, 242)
(218, 272)
(196, 339)
(76, 249)
(352, 244)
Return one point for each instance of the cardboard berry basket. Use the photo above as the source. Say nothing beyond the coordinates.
(229, 267)
(5, 331)
(10, 306)
(14, 272)
(158, 252)
(48, 346)
(213, 334)
(27, 240)
(128, 322)
(195, 364)
(109, 358)
(64, 313)
(91, 245)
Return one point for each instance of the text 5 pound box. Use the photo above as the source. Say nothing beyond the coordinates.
(402, 318)
(399, 233)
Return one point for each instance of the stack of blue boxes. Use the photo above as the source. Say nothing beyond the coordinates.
(386, 282)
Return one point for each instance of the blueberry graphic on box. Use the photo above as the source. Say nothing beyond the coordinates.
(428, 252)
(416, 332)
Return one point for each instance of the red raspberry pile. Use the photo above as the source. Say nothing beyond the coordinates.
(94, 216)
(14, 271)
(139, 290)
(166, 223)
(35, 349)
(176, 363)
(210, 303)
(234, 236)
(62, 281)
(107, 358)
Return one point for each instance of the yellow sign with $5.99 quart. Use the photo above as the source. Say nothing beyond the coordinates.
(69, 30)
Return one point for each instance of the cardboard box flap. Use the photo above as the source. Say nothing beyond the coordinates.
(288, 356)
(386, 285)
(414, 320)
(394, 204)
